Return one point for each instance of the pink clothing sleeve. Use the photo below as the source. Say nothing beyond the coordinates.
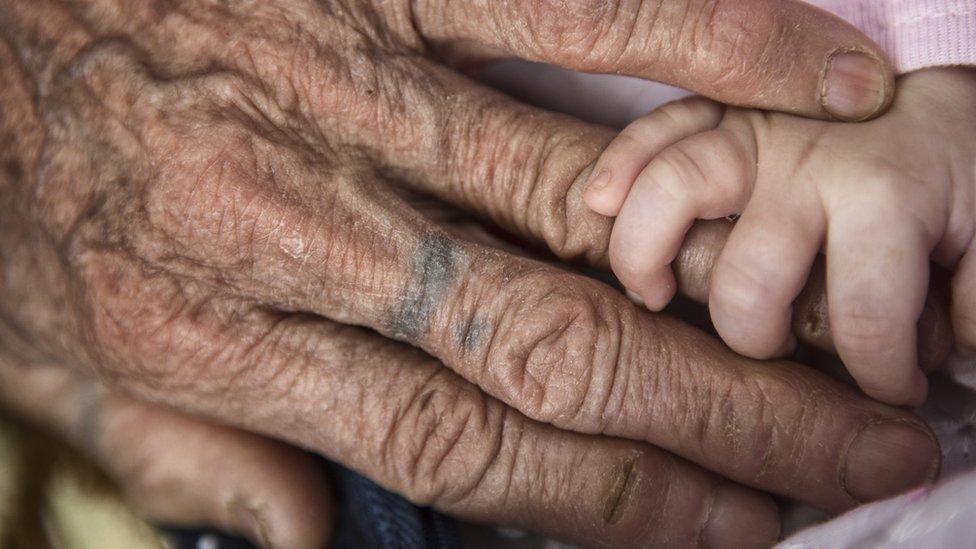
(915, 33)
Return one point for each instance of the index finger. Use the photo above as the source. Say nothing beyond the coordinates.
(783, 55)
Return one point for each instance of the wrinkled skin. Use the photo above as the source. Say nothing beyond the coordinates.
(218, 208)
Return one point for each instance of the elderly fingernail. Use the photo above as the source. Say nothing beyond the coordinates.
(599, 181)
(854, 86)
(740, 517)
(889, 458)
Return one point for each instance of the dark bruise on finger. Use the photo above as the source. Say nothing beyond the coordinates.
(435, 266)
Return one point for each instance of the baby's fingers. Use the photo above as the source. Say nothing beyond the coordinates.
(761, 271)
(628, 154)
(877, 279)
(706, 176)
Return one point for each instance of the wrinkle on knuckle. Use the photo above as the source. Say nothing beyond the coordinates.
(442, 442)
(730, 161)
(272, 357)
(745, 289)
(555, 209)
(733, 44)
(152, 333)
(547, 358)
(215, 196)
(682, 173)
(549, 36)
(772, 429)
(595, 34)
(862, 329)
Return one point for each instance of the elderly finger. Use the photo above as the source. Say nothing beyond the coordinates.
(560, 348)
(773, 54)
(569, 351)
(181, 470)
(400, 417)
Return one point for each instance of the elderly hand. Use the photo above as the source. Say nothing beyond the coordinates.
(190, 189)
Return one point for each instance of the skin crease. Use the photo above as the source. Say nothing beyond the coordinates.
(200, 203)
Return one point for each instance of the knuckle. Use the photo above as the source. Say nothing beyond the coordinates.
(130, 324)
(444, 442)
(565, 37)
(732, 42)
(212, 195)
(744, 287)
(629, 142)
(767, 423)
(726, 170)
(554, 209)
(557, 357)
(884, 182)
(763, 421)
(107, 70)
(629, 267)
(861, 329)
(682, 172)
(148, 330)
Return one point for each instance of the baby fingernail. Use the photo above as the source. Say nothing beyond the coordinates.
(599, 181)
(854, 86)
(889, 457)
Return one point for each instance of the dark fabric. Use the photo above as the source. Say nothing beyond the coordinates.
(373, 517)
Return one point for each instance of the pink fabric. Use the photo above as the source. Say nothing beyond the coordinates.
(915, 33)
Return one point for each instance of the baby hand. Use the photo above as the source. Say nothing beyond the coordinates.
(880, 199)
